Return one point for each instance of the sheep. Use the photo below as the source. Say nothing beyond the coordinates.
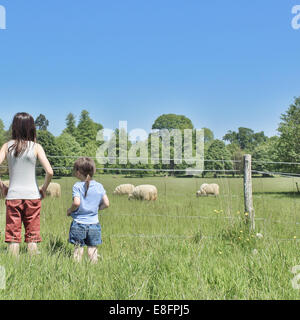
(53, 190)
(124, 189)
(207, 189)
(144, 192)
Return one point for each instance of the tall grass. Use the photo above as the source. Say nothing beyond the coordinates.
(179, 247)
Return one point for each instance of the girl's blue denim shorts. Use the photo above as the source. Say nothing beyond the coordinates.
(85, 234)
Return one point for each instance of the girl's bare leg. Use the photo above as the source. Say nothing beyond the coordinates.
(13, 248)
(93, 254)
(78, 253)
(32, 248)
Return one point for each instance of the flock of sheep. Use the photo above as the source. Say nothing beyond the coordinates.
(142, 192)
(149, 192)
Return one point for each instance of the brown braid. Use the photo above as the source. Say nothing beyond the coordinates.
(87, 167)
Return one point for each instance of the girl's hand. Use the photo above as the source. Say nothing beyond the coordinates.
(4, 189)
(69, 212)
(104, 203)
(42, 193)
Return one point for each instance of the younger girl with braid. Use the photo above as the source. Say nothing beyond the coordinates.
(89, 196)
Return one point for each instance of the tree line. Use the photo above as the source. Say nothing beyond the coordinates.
(80, 138)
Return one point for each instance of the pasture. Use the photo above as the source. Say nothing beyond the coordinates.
(179, 247)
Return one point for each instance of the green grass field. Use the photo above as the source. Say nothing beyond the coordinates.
(179, 247)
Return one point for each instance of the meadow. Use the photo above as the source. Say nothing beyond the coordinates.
(179, 247)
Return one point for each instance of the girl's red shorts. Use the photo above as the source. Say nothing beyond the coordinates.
(26, 211)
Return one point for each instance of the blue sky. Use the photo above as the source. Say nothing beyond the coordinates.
(224, 64)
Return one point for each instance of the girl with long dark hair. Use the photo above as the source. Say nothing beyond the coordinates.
(23, 196)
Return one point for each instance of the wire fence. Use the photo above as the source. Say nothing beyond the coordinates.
(151, 236)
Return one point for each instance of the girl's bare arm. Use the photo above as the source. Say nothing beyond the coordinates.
(3, 154)
(104, 203)
(41, 155)
(75, 206)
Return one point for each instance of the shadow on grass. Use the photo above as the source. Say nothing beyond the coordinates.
(57, 245)
(281, 194)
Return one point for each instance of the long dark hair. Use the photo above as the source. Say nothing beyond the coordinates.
(23, 131)
(87, 167)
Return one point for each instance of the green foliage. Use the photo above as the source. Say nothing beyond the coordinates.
(87, 129)
(71, 125)
(41, 122)
(289, 130)
(245, 138)
(8, 133)
(237, 155)
(2, 133)
(218, 151)
(172, 121)
(69, 149)
(48, 142)
(265, 153)
(208, 135)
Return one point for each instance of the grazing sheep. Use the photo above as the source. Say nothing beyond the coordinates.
(144, 192)
(124, 189)
(207, 189)
(53, 190)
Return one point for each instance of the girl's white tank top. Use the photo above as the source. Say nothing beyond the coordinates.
(22, 174)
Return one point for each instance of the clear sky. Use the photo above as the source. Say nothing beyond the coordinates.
(222, 63)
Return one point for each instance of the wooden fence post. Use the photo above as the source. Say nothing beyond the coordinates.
(249, 210)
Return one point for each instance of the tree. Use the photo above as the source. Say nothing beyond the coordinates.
(264, 154)
(2, 133)
(172, 121)
(289, 130)
(70, 149)
(71, 125)
(218, 157)
(169, 122)
(246, 138)
(52, 150)
(41, 123)
(8, 133)
(232, 137)
(237, 156)
(87, 129)
(208, 135)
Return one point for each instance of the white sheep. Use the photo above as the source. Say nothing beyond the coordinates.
(144, 192)
(124, 189)
(53, 190)
(208, 189)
